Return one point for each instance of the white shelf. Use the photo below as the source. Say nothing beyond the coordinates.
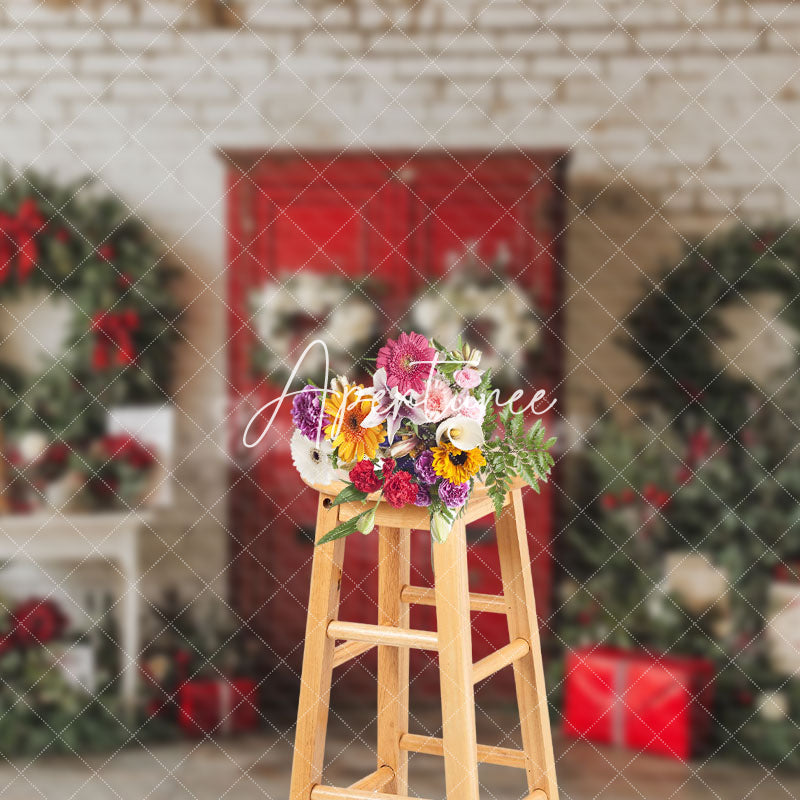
(110, 537)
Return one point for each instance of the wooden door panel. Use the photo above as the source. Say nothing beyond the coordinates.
(393, 224)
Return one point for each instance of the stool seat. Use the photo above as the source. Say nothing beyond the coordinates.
(479, 505)
(331, 642)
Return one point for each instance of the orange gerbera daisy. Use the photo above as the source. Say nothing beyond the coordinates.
(347, 410)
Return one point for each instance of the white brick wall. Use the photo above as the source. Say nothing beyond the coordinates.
(661, 92)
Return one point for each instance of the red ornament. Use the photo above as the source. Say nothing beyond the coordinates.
(114, 338)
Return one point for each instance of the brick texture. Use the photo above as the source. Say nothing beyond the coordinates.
(683, 106)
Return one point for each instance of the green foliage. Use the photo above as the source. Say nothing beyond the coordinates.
(41, 713)
(516, 452)
(345, 528)
(348, 495)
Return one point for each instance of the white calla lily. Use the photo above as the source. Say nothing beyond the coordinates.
(462, 432)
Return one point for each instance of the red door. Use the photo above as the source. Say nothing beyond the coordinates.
(387, 229)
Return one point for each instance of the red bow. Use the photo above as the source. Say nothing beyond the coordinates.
(114, 339)
(18, 239)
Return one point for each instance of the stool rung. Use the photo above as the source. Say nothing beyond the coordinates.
(332, 793)
(383, 634)
(422, 596)
(347, 651)
(375, 781)
(494, 662)
(487, 754)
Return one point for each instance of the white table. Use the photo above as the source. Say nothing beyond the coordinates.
(110, 538)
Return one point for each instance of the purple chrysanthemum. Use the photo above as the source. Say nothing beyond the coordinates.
(423, 466)
(306, 412)
(423, 497)
(453, 495)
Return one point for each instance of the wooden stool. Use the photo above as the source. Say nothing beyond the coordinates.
(453, 641)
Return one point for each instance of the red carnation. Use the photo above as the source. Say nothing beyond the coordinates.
(364, 478)
(387, 468)
(106, 252)
(627, 496)
(399, 489)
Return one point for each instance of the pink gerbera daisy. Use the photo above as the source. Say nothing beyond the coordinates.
(408, 362)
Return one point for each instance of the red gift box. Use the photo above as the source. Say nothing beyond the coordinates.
(659, 704)
(218, 706)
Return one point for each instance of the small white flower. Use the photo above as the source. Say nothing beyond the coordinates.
(32, 445)
(460, 431)
(773, 706)
(312, 462)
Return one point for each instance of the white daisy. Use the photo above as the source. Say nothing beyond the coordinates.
(312, 462)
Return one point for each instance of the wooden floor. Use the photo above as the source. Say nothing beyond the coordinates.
(257, 768)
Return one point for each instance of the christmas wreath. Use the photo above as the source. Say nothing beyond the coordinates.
(677, 329)
(74, 245)
(290, 313)
(472, 300)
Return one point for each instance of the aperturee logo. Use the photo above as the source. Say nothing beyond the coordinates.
(427, 430)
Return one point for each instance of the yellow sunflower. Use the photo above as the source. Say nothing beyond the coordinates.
(457, 466)
(347, 409)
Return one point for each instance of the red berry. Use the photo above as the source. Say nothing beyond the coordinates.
(608, 501)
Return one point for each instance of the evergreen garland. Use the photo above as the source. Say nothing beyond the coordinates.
(712, 469)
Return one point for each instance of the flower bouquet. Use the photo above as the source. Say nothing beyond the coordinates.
(424, 434)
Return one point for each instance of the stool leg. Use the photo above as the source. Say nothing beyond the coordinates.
(394, 572)
(315, 683)
(455, 666)
(512, 543)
